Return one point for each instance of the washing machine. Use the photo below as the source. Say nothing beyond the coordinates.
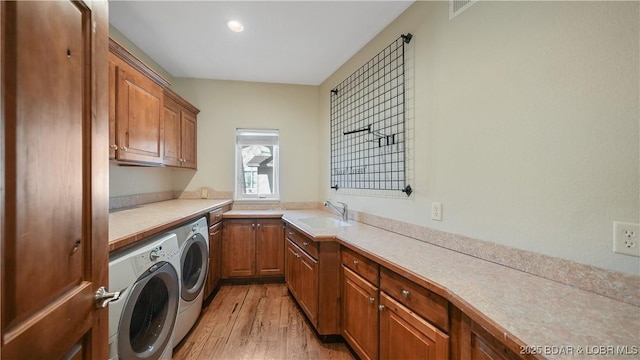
(193, 240)
(142, 320)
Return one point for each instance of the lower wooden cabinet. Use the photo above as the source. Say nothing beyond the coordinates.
(214, 273)
(405, 335)
(473, 342)
(313, 278)
(269, 248)
(386, 316)
(360, 314)
(302, 279)
(252, 248)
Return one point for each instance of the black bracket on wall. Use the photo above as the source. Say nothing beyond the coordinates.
(408, 190)
(335, 187)
(407, 38)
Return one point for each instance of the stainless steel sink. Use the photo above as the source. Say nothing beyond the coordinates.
(324, 222)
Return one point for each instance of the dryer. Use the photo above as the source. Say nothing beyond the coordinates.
(142, 320)
(193, 240)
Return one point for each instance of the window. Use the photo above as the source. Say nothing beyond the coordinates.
(257, 164)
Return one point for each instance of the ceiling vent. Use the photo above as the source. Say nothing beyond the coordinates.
(456, 7)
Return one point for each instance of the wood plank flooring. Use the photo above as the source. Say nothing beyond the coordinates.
(257, 321)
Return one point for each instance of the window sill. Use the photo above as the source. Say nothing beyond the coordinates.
(257, 200)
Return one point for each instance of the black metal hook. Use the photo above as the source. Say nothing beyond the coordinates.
(408, 190)
(335, 187)
(407, 38)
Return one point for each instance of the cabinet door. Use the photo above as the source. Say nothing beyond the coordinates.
(112, 107)
(139, 117)
(53, 211)
(171, 138)
(360, 314)
(238, 248)
(405, 335)
(189, 144)
(215, 259)
(308, 285)
(291, 266)
(270, 248)
(473, 342)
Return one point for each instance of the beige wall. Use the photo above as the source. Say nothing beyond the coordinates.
(227, 105)
(526, 124)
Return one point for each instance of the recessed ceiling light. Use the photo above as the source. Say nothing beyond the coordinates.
(235, 26)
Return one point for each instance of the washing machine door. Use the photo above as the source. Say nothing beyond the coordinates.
(194, 261)
(149, 315)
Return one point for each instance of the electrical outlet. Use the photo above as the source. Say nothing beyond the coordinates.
(436, 211)
(204, 193)
(626, 238)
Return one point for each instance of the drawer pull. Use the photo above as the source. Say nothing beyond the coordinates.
(305, 243)
(290, 233)
(371, 300)
(297, 255)
(405, 293)
(355, 262)
(380, 307)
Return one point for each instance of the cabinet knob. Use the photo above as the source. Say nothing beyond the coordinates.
(124, 148)
(380, 307)
(355, 262)
(253, 225)
(405, 293)
(114, 147)
(305, 243)
(297, 255)
(258, 225)
(371, 300)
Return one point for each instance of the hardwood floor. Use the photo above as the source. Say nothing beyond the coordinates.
(258, 321)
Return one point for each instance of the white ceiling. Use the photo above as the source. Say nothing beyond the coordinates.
(291, 42)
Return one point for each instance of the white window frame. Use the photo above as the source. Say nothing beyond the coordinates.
(264, 137)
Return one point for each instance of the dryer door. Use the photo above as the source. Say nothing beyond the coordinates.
(194, 261)
(150, 314)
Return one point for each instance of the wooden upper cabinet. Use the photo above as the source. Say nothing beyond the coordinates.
(149, 123)
(188, 147)
(139, 113)
(171, 155)
(180, 132)
(112, 107)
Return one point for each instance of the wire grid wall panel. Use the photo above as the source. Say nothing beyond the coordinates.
(368, 138)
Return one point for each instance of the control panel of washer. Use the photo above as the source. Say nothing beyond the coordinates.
(164, 252)
(199, 226)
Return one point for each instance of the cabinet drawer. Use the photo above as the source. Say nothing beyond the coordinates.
(306, 244)
(215, 228)
(432, 307)
(362, 266)
(215, 216)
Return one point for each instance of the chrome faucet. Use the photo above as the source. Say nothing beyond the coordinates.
(344, 211)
